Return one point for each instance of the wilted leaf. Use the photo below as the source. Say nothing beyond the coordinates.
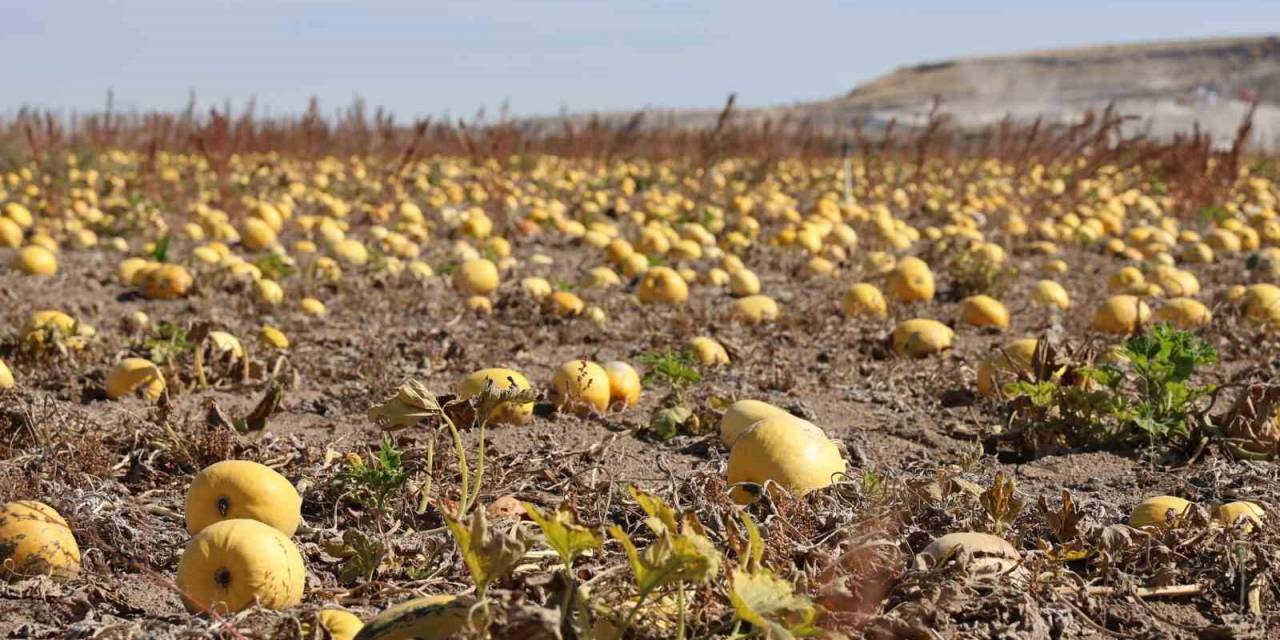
(672, 558)
(488, 554)
(662, 518)
(755, 544)
(269, 404)
(411, 403)
(362, 556)
(563, 532)
(770, 604)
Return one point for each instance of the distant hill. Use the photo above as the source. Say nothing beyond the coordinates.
(1169, 86)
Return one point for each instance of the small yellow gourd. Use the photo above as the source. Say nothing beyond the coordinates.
(243, 489)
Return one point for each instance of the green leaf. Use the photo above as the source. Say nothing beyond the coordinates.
(769, 603)
(488, 554)
(563, 532)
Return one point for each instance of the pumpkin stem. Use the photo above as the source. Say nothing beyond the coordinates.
(224, 505)
(222, 577)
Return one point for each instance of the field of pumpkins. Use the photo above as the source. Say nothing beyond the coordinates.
(300, 380)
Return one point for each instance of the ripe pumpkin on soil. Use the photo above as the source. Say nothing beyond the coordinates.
(337, 624)
(1184, 313)
(1121, 315)
(984, 311)
(757, 309)
(430, 618)
(778, 451)
(1049, 293)
(743, 414)
(864, 299)
(911, 281)
(35, 540)
(663, 285)
(233, 564)
(1156, 511)
(242, 489)
(920, 337)
(624, 383)
(132, 375)
(35, 260)
(506, 413)
(581, 386)
(478, 277)
(166, 282)
(708, 351)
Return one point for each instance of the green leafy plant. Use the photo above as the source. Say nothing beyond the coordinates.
(676, 371)
(167, 343)
(1143, 396)
(361, 556)
(160, 253)
(274, 266)
(1162, 362)
(376, 484)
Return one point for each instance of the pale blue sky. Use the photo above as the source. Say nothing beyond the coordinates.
(433, 58)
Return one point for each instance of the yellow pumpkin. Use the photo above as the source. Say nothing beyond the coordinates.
(920, 337)
(1049, 293)
(1232, 512)
(1126, 279)
(743, 282)
(268, 291)
(564, 304)
(257, 235)
(582, 386)
(1155, 512)
(34, 540)
(864, 299)
(1184, 313)
(624, 383)
(984, 311)
(130, 269)
(36, 260)
(473, 385)
(537, 288)
(242, 489)
(911, 281)
(602, 278)
(337, 624)
(663, 285)
(780, 451)
(757, 309)
(1121, 314)
(132, 375)
(6, 377)
(743, 414)
(1005, 365)
(987, 554)
(1260, 301)
(708, 351)
(233, 564)
(313, 307)
(476, 277)
(430, 618)
(166, 282)
(273, 337)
